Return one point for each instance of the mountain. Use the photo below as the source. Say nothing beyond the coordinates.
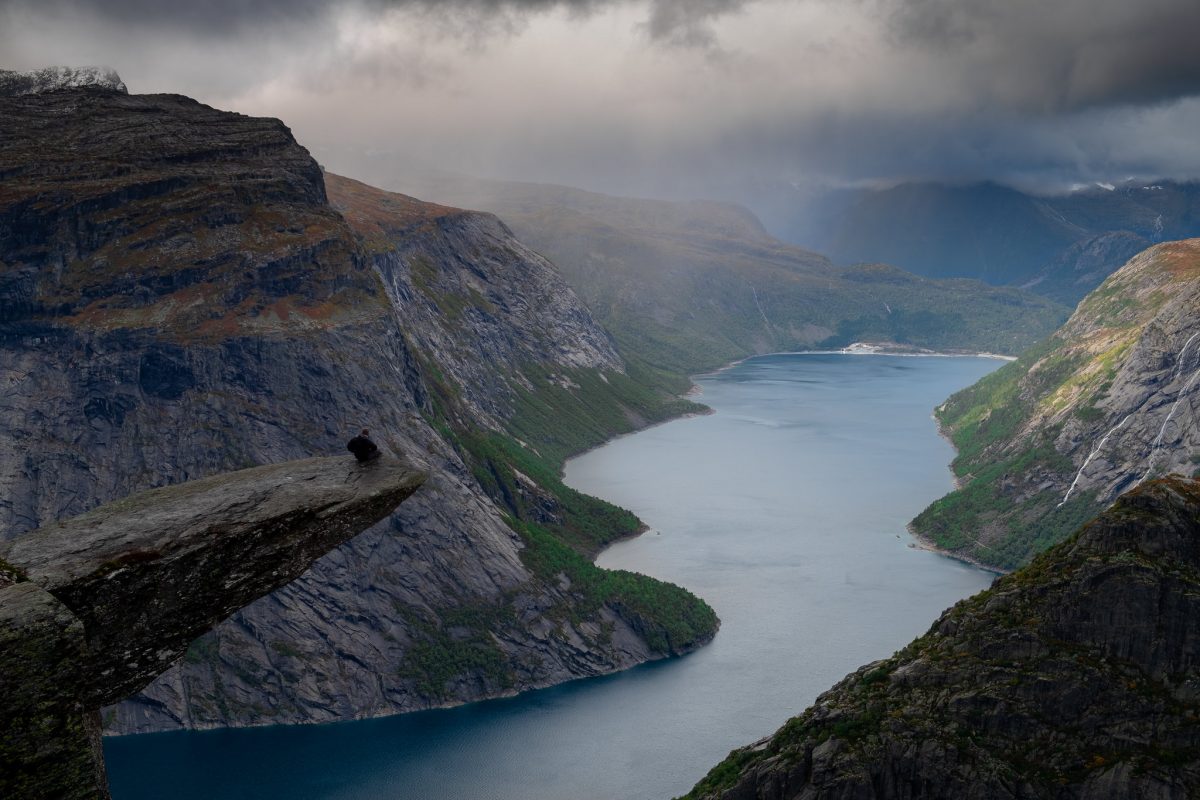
(1074, 677)
(1059, 245)
(179, 297)
(1107, 402)
(984, 231)
(687, 286)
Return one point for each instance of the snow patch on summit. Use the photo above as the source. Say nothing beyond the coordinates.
(51, 79)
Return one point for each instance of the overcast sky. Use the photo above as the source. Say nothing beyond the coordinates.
(669, 96)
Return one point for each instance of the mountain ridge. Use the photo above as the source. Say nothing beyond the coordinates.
(1061, 245)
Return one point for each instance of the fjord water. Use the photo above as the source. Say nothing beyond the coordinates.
(785, 510)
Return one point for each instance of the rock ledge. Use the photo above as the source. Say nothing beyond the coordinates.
(93, 608)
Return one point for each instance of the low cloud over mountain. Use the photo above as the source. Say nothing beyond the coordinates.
(668, 96)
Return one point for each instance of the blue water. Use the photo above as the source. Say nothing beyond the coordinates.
(785, 510)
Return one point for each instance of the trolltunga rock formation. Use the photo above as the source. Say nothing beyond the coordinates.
(94, 607)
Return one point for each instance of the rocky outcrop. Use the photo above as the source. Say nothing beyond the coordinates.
(94, 607)
(1111, 400)
(505, 304)
(1076, 677)
(179, 299)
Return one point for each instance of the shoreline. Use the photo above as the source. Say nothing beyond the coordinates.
(695, 390)
(865, 350)
(918, 541)
(922, 543)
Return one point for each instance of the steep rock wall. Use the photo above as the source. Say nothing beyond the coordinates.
(179, 299)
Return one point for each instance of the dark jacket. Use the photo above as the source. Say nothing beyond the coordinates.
(363, 448)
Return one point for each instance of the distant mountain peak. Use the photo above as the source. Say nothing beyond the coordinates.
(52, 79)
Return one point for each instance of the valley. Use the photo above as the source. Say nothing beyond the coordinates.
(187, 294)
(759, 509)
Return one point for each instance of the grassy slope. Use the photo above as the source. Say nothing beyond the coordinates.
(562, 529)
(684, 287)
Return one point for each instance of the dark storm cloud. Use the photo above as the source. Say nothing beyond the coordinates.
(679, 21)
(1061, 55)
(687, 22)
(633, 95)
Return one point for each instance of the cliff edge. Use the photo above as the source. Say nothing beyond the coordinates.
(181, 296)
(94, 608)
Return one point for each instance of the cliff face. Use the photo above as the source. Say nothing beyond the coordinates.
(92, 608)
(1107, 402)
(472, 296)
(179, 298)
(1076, 677)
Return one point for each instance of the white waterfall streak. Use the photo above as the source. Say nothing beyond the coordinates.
(760, 308)
(1182, 393)
(1158, 440)
(1183, 355)
(1092, 455)
(1154, 448)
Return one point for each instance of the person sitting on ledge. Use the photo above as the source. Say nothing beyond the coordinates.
(363, 448)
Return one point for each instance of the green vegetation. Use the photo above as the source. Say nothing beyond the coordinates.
(584, 522)
(11, 573)
(988, 413)
(285, 649)
(461, 648)
(984, 662)
(563, 528)
(1012, 478)
(203, 650)
(982, 519)
(670, 619)
(564, 413)
(452, 305)
(571, 411)
(686, 287)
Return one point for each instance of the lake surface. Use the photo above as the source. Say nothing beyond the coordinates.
(785, 510)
